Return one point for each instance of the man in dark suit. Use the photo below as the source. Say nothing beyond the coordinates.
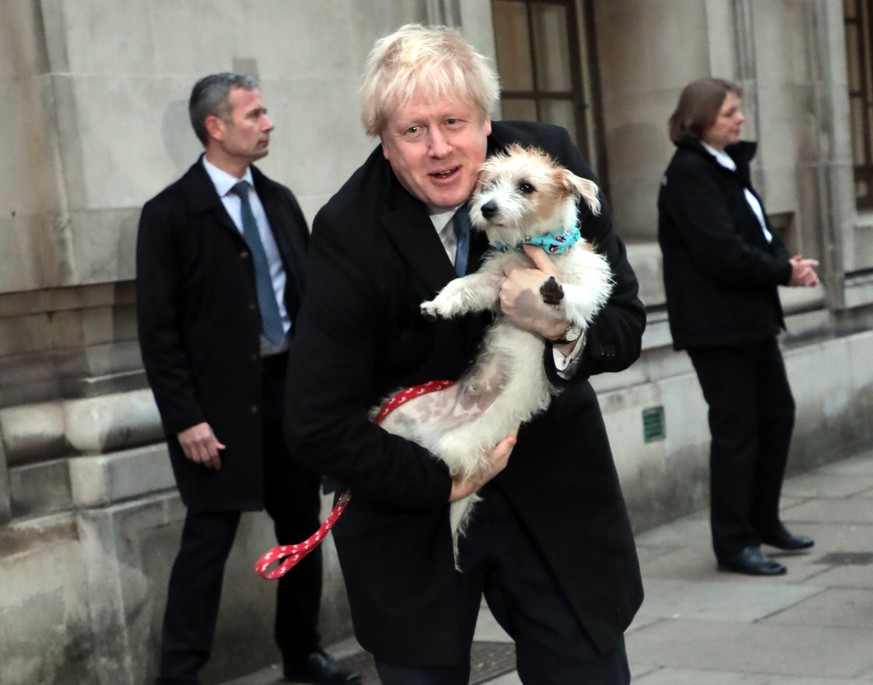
(220, 263)
(550, 545)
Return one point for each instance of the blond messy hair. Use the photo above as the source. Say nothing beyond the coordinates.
(433, 61)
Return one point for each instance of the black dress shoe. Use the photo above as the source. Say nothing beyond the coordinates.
(782, 538)
(318, 667)
(751, 561)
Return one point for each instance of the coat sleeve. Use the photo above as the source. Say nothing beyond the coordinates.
(158, 297)
(331, 371)
(614, 340)
(700, 214)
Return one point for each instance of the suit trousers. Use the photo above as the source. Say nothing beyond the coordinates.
(292, 499)
(500, 561)
(751, 419)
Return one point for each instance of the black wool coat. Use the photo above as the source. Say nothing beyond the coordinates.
(374, 257)
(199, 327)
(720, 273)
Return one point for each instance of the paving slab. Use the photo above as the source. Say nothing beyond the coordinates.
(753, 648)
(508, 679)
(833, 607)
(689, 531)
(827, 485)
(670, 676)
(847, 576)
(724, 600)
(674, 676)
(855, 510)
(691, 564)
(864, 680)
(860, 464)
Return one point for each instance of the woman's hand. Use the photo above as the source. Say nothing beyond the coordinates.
(803, 272)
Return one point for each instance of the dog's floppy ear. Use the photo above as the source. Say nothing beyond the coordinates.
(584, 188)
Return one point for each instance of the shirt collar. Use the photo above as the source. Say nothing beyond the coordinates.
(222, 180)
(442, 218)
(721, 157)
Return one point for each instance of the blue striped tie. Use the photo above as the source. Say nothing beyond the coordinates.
(271, 319)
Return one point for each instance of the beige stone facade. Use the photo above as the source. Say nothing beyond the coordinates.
(93, 97)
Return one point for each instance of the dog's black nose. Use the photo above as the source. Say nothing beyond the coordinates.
(489, 209)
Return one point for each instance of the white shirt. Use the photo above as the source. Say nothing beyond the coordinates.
(224, 182)
(442, 222)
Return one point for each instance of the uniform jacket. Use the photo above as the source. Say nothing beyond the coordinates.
(375, 256)
(199, 327)
(720, 273)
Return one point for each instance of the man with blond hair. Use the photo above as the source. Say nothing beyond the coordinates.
(550, 546)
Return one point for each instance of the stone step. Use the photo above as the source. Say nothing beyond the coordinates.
(89, 480)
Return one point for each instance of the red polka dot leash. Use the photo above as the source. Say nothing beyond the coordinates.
(404, 396)
(288, 556)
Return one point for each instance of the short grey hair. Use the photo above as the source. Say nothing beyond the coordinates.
(434, 61)
(210, 97)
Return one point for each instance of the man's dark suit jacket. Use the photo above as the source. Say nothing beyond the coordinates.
(199, 327)
(720, 273)
(374, 257)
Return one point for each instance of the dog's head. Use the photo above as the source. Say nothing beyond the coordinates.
(523, 192)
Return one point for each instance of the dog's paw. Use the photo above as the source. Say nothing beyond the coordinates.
(429, 310)
(552, 292)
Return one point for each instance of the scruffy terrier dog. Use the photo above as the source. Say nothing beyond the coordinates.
(522, 196)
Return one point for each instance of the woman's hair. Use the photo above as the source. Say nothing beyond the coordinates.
(210, 97)
(433, 61)
(698, 108)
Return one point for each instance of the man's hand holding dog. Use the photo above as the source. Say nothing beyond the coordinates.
(522, 303)
(498, 458)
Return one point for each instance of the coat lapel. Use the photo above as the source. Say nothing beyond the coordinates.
(202, 198)
(413, 233)
(292, 249)
(411, 230)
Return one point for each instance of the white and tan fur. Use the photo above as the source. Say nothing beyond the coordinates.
(520, 193)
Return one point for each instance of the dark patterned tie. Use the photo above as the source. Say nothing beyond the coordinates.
(271, 319)
(461, 224)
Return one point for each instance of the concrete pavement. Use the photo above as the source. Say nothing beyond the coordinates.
(699, 626)
(813, 626)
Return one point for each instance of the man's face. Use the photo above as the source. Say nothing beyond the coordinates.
(435, 149)
(245, 136)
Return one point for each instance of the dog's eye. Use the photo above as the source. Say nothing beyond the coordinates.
(526, 188)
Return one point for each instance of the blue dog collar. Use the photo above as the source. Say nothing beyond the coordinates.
(555, 242)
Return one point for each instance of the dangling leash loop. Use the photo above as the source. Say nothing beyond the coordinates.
(289, 556)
